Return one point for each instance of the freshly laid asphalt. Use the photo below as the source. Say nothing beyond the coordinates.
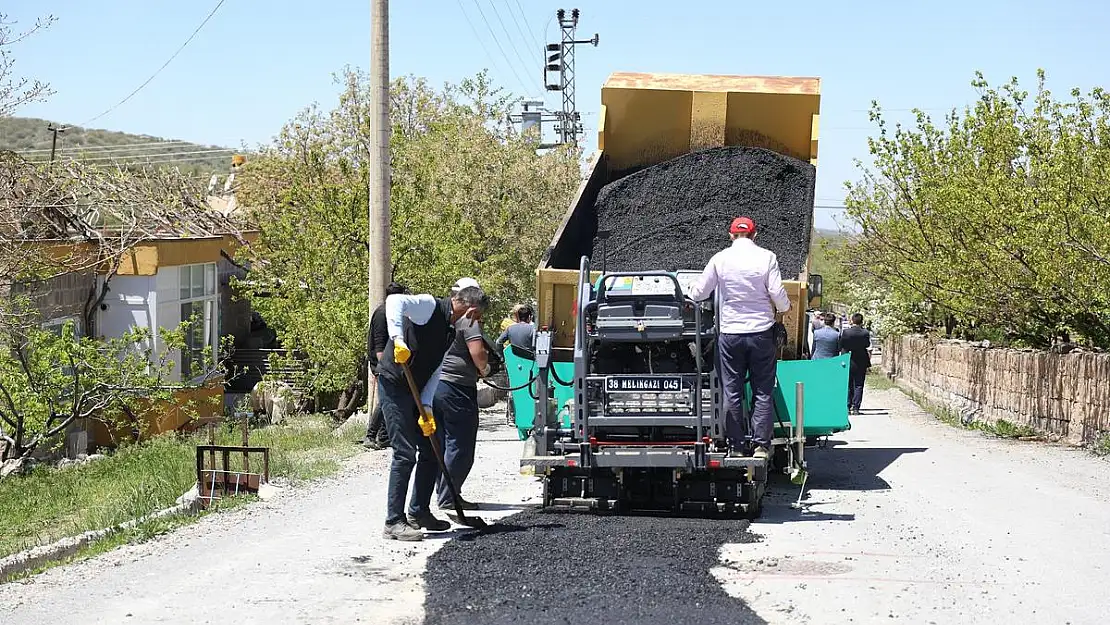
(541, 567)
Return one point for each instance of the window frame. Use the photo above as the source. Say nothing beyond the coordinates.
(50, 324)
(209, 301)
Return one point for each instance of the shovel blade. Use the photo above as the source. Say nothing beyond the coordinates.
(468, 521)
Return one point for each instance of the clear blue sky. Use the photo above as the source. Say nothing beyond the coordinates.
(258, 62)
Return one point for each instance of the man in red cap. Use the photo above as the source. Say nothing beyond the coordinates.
(749, 290)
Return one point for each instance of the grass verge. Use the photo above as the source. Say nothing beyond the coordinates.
(49, 503)
(1000, 428)
(877, 380)
(1101, 446)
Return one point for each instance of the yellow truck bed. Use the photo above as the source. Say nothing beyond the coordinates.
(646, 119)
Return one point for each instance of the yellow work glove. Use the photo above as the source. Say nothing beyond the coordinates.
(427, 422)
(401, 352)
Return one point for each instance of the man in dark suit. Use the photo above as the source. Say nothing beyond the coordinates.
(856, 340)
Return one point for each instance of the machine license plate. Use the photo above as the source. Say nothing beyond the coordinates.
(643, 383)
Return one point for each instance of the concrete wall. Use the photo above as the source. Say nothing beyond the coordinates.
(59, 297)
(1067, 395)
(235, 313)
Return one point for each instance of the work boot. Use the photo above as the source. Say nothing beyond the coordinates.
(761, 453)
(402, 530)
(429, 522)
(373, 444)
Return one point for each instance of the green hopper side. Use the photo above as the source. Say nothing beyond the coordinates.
(825, 393)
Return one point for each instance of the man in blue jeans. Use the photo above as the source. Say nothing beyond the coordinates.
(749, 290)
(421, 330)
(456, 406)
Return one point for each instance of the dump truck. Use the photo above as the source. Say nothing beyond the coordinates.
(620, 402)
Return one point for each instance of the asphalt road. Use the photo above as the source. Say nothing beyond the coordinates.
(910, 520)
(906, 520)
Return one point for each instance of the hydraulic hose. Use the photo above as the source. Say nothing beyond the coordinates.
(555, 374)
(511, 388)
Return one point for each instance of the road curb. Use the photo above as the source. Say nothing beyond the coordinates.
(36, 556)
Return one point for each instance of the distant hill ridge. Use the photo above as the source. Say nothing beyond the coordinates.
(30, 137)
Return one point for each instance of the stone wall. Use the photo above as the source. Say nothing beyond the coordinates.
(1067, 395)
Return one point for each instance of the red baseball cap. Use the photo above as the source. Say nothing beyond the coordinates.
(741, 225)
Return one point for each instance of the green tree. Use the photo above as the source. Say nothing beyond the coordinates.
(469, 197)
(48, 380)
(825, 264)
(995, 218)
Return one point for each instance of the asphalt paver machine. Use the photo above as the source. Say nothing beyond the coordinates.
(647, 419)
(620, 402)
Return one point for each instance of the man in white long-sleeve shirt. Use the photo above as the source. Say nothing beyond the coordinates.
(749, 290)
(421, 330)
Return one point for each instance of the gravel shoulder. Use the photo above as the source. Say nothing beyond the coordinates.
(910, 520)
(313, 554)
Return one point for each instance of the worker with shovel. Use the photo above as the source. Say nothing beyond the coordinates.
(376, 435)
(421, 330)
(456, 406)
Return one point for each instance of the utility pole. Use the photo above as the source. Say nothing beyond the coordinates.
(377, 236)
(560, 59)
(54, 142)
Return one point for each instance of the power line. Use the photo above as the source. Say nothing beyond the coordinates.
(481, 42)
(112, 157)
(188, 159)
(509, 38)
(496, 41)
(101, 149)
(159, 158)
(159, 70)
(539, 46)
(143, 158)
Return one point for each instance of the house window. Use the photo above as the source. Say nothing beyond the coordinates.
(197, 286)
(56, 326)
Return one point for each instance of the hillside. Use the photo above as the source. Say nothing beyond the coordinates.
(30, 137)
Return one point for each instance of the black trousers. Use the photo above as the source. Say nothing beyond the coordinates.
(376, 429)
(857, 375)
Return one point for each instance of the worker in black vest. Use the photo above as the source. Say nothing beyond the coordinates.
(376, 339)
(421, 330)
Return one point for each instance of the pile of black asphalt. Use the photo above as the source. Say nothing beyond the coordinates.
(675, 215)
(541, 567)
